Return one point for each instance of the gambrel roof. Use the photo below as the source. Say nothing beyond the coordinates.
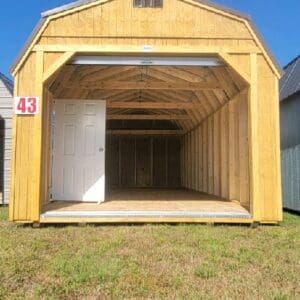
(82, 3)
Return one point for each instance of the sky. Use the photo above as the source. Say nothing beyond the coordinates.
(278, 22)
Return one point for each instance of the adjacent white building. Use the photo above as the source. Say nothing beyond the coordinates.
(6, 111)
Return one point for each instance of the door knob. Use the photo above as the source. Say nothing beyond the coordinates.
(101, 149)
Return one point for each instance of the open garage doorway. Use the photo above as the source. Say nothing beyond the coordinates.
(176, 138)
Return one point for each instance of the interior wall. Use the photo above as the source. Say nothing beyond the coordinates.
(215, 157)
(142, 161)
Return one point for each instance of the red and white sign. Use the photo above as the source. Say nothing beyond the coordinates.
(26, 105)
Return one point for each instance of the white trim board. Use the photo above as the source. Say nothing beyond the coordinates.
(147, 61)
(144, 214)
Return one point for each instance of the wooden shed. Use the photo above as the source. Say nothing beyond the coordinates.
(290, 134)
(6, 115)
(149, 111)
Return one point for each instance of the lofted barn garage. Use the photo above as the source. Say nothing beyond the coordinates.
(146, 115)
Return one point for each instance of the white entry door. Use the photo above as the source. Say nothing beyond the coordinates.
(79, 150)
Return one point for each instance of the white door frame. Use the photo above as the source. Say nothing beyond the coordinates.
(97, 148)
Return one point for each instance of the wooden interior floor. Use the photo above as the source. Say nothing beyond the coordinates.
(152, 200)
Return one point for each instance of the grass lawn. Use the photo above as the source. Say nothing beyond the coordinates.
(150, 261)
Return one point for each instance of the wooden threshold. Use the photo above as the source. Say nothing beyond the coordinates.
(135, 220)
(149, 206)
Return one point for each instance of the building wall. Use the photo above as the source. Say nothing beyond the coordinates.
(116, 23)
(290, 151)
(290, 121)
(6, 110)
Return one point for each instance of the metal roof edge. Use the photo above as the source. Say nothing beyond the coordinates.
(266, 47)
(287, 90)
(27, 44)
(83, 2)
(251, 23)
(225, 8)
(291, 62)
(65, 7)
(289, 97)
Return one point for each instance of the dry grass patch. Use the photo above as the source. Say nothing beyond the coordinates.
(150, 261)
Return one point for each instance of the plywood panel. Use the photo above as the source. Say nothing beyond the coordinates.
(210, 154)
(22, 191)
(222, 158)
(244, 152)
(218, 148)
(233, 150)
(268, 143)
(159, 159)
(121, 19)
(128, 167)
(193, 159)
(47, 147)
(200, 161)
(112, 161)
(173, 166)
(224, 172)
(143, 162)
(205, 156)
(197, 157)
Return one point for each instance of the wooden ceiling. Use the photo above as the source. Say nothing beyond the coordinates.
(181, 95)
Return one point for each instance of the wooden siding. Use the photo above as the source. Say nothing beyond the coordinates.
(6, 111)
(215, 156)
(269, 176)
(143, 161)
(119, 23)
(119, 18)
(116, 27)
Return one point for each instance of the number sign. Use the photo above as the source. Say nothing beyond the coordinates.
(26, 105)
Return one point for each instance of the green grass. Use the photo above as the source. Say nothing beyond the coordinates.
(150, 261)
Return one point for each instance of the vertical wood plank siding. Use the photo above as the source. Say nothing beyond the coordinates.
(223, 178)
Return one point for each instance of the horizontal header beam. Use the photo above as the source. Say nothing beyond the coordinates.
(150, 85)
(141, 50)
(154, 105)
(146, 61)
(148, 117)
(146, 132)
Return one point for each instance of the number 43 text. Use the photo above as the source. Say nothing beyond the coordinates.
(26, 105)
